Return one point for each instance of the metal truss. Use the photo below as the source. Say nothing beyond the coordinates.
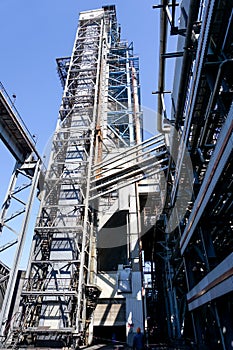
(96, 151)
(99, 115)
(195, 256)
(124, 116)
(58, 295)
(17, 205)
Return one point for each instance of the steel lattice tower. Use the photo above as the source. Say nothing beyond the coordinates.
(99, 117)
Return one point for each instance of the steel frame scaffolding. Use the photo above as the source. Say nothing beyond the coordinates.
(195, 258)
(58, 295)
(18, 202)
(100, 122)
(95, 196)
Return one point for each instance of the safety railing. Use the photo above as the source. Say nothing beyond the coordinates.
(12, 105)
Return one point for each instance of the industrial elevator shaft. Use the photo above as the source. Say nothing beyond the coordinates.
(99, 117)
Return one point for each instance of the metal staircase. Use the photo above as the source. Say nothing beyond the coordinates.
(58, 296)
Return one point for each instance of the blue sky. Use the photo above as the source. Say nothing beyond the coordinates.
(35, 33)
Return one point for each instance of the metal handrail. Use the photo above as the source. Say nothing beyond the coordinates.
(11, 103)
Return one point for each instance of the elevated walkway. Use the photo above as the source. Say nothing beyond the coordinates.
(13, 132)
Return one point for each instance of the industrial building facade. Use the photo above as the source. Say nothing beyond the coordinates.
(130, 232)
(195, 262)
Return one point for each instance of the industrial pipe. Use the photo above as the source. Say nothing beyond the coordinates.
(194, 5)
(136, 106)
(162, 50)
(187, 59)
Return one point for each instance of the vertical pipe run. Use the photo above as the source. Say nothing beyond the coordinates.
(162, 63)
(131, 131)
(89, 172)
(136, 106)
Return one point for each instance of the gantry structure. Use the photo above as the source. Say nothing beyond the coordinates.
(84, 278)
(130, 232)
(193, 260)
(17, 205)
